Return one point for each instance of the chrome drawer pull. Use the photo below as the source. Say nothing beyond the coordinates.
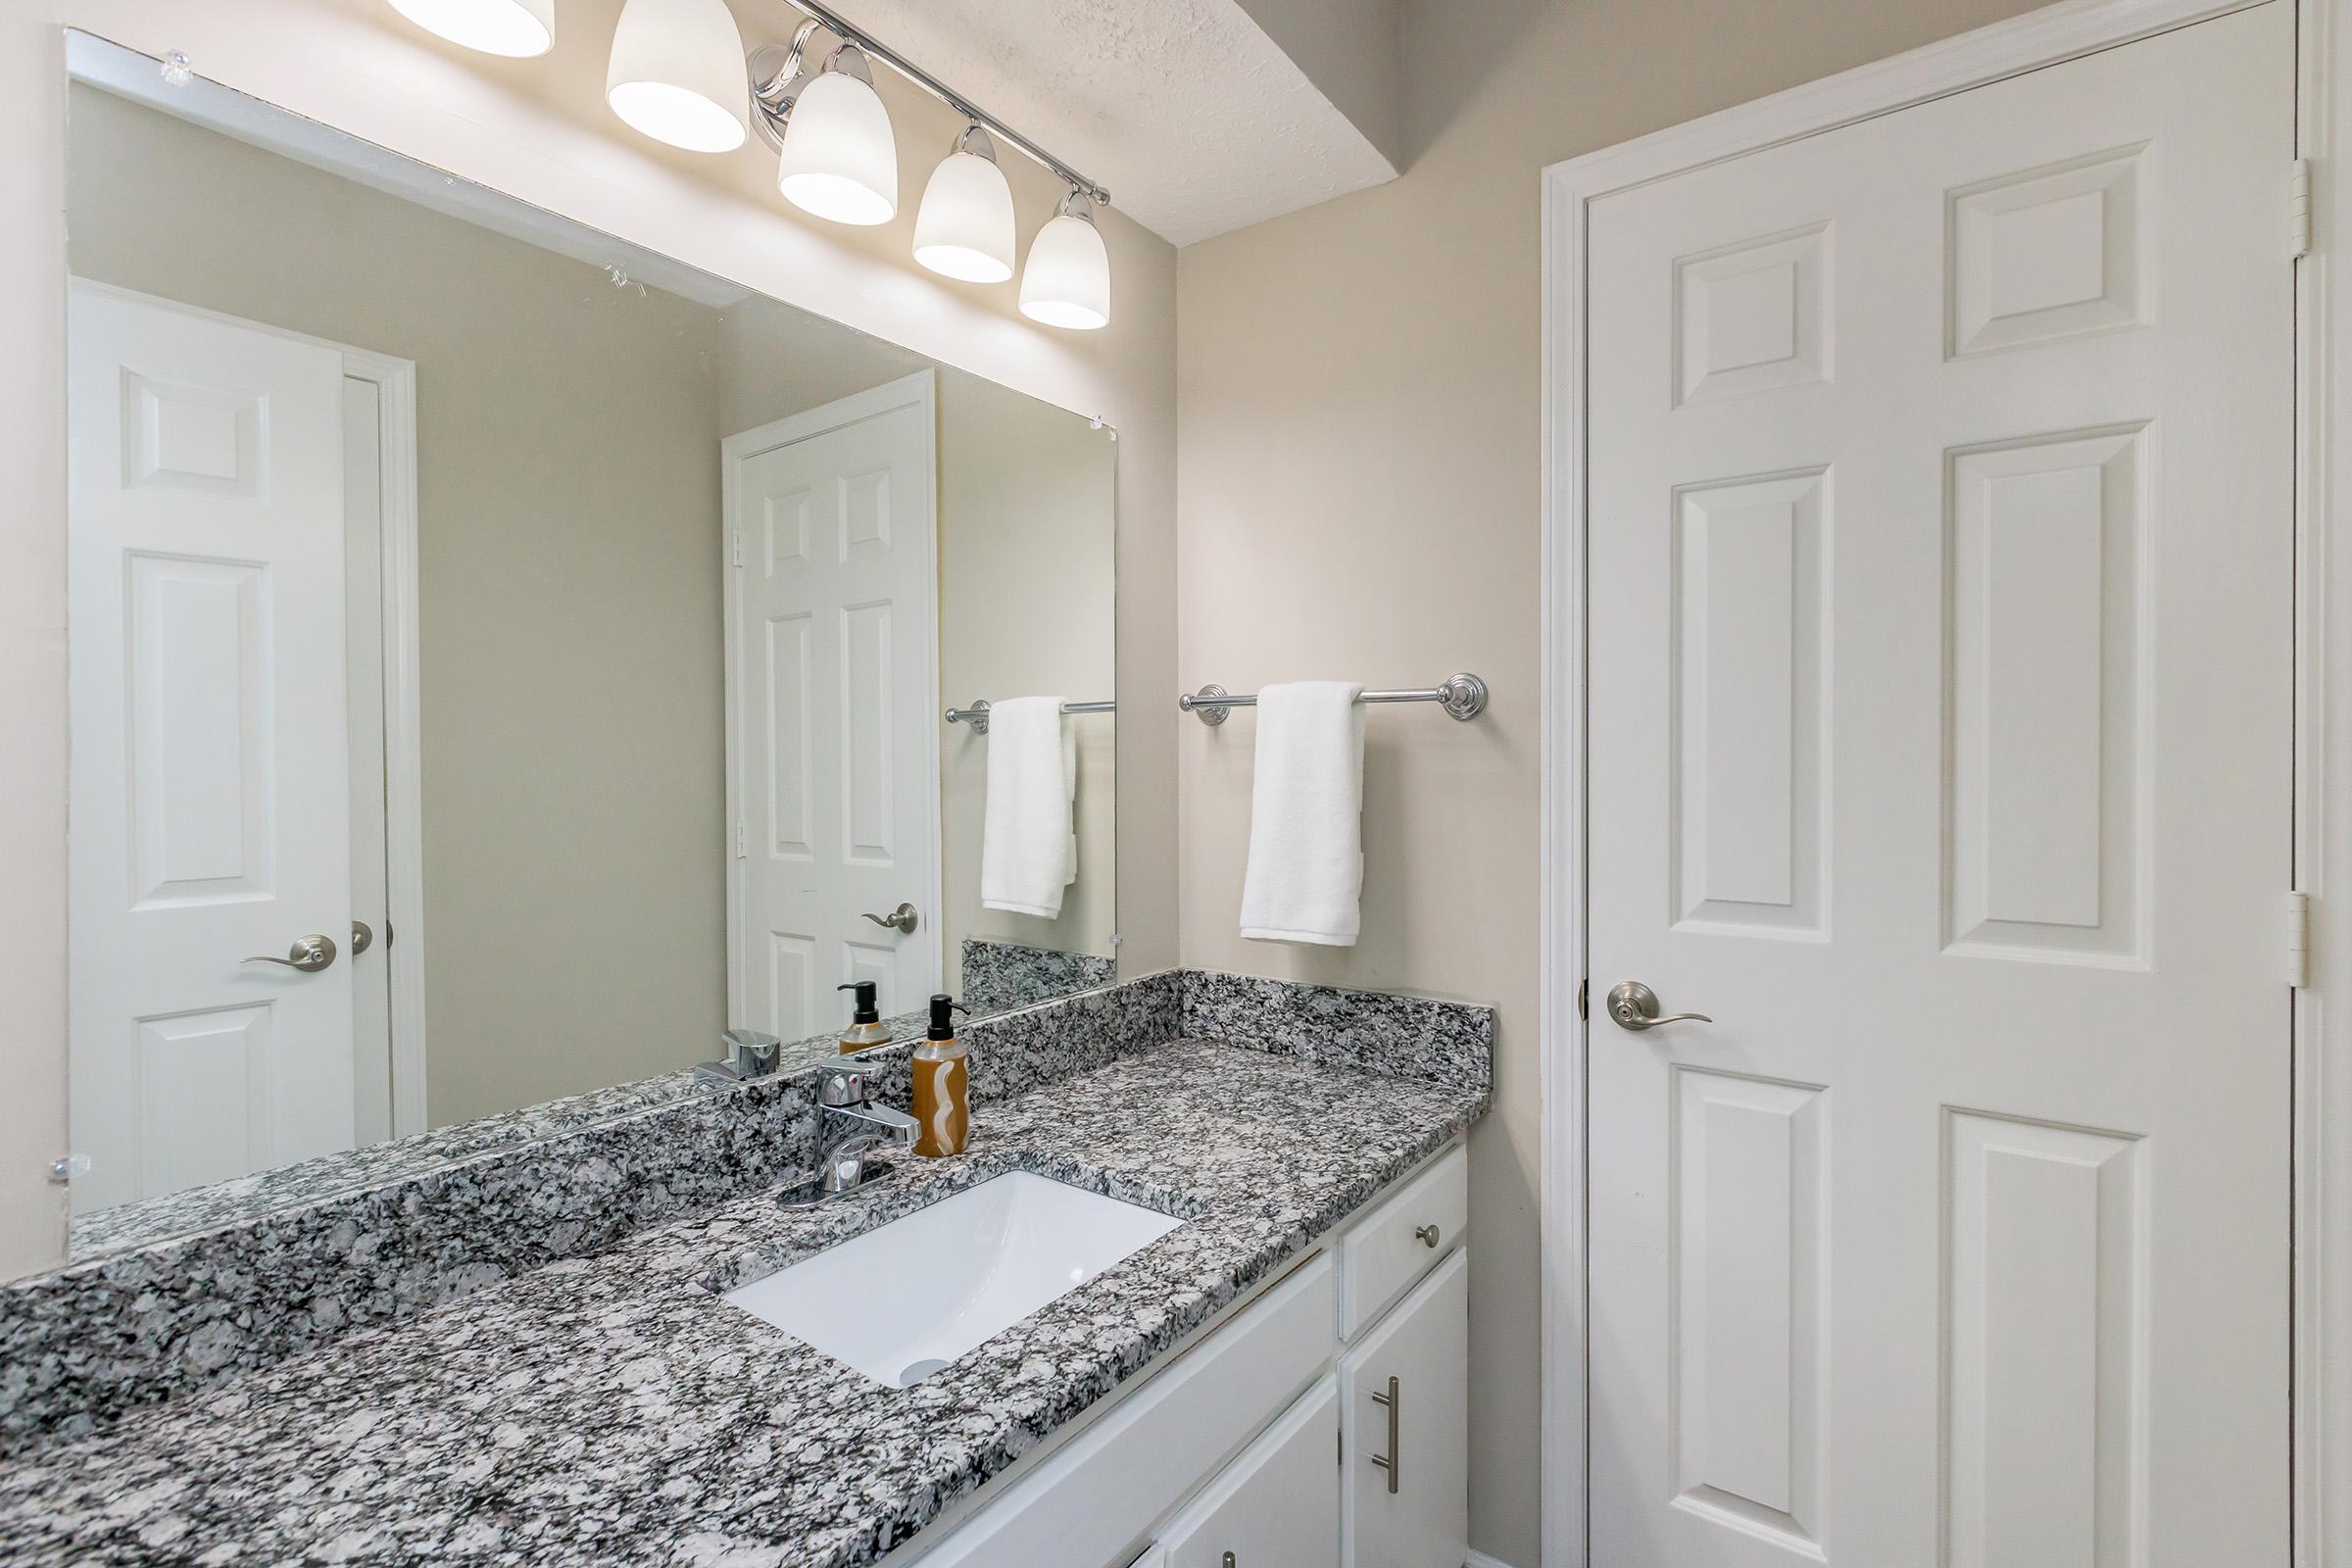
(1392, 1461)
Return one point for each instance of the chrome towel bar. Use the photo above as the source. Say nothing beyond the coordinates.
(1464, 697)
(976, 716)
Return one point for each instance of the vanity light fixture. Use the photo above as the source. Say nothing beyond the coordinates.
(840, 159)
(675, 77)
(965, 228)
(516, 28)
(676, 73)
(1067, 281)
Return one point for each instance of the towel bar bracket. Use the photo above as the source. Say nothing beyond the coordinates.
(1202, 705)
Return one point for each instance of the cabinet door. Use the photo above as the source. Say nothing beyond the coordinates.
(1277, 1505)
(1405, 1485)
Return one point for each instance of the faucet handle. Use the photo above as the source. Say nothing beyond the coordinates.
(843, 1084)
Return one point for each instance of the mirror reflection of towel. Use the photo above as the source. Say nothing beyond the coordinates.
(1028, 837)
(1306, 880)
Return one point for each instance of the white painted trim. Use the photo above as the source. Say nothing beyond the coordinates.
(921, 388)
(1479, 1559)
(2322, 1308)
(404, 732)
(395, 380)
(2036, 40)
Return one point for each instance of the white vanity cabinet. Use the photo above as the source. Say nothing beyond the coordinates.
(1268, 1442)
(1405, 1431)
(1277, 1505)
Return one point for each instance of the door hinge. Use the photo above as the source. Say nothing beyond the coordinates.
(743, 842)
(1583, 987)
(2299, 939)
(2298, 209)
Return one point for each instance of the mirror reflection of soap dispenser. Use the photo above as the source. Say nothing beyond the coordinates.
(867, 1029)
(943, 1112)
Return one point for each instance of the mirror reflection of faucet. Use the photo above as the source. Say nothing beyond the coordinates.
(750, 1054)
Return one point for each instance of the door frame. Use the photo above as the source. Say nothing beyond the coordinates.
(2322, 1304)
(395, 381)
(922, 390)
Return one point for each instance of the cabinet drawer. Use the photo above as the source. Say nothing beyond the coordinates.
(1277, 1505)
(1395, 1246)
(1102, 1492)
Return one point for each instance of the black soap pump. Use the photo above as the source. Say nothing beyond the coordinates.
(867, 1029)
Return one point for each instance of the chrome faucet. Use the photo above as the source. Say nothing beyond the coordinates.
(858, 1125)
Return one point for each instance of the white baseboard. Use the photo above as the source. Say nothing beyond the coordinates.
(1479, 1559)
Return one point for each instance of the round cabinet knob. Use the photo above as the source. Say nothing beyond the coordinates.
(1426, 1235)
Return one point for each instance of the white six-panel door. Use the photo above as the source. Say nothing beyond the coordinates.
(1941, 625)
(209, 795)
(833, 715)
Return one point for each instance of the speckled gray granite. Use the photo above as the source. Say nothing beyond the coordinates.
(1012, 974)
(613, 1410)
(1412, 1037)
(200, 1209)
(1010, 982)
(83, 1345)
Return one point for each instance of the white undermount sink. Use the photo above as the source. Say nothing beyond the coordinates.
(904, 1298)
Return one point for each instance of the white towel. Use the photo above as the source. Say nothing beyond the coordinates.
(1307, 809)
(1028, 840)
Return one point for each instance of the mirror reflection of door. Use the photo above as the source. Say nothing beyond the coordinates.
(223, 478)
(833, 708)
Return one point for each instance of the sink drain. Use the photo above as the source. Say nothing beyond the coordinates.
(916, 1371)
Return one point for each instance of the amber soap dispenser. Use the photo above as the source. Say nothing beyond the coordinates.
(942, 1109)
(866, 1028)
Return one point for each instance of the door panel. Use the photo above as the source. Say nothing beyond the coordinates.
(1277, 1505)
(1424, 1345)
(210, 788)
(1941, 555)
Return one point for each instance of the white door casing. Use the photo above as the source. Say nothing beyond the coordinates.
(1939, 670)
(210, 809)
(833, 715)
(363, 679)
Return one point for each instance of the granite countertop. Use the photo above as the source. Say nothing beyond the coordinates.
(611, 1409)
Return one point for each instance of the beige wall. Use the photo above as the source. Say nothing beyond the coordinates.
(537, 130)
(1026, 571)
(567, 554)
(1359, 500)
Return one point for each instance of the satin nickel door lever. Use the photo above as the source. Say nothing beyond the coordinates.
(311, 954)
(901, 919)
(1635, 1006)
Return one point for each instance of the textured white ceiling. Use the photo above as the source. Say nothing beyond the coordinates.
(1195, 119)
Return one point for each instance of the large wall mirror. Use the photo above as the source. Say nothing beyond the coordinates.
(503, 659)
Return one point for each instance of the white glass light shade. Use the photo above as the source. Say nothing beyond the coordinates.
(678, 73)
(840, 160)
(516, 29)
(965, 228)
(1067, 280)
